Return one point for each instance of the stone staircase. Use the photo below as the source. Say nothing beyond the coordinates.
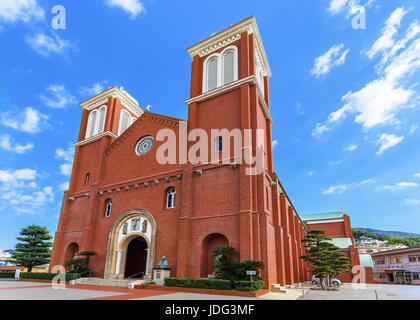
(106, 282)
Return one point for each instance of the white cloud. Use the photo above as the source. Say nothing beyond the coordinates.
(336, 189)
(61, 97)
(417, 175)
(94, 89)
(413, 128)
(350, 7)
(21, 174)
(412, 202)
(132, 7)
(65, 168)
(46, 45)
(332, 58)
(351, 148)
(67, 156)
(387, 141)
(63, 187)
(7, 143)
(274, 143)
(380, 100)
(344, 187)
(30, 120)
(20, 10)
(311, 173)
(19, 190)
(397, 187)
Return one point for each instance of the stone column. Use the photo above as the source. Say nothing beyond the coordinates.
(118, 264)
(147, 263)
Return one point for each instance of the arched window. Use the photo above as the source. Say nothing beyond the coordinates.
(220, 69)
(100, 123)
(125, 121)
(108, 208)
(212, 73)
(170, 198)
(229, 65)
(96, 122)
(90, 131)
(87, 178)
(218, 143)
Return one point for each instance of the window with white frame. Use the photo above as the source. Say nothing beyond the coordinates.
(96, 122)
(108, 208)
(125, 121)
(220, 69)
(218, 143)
(170, 198)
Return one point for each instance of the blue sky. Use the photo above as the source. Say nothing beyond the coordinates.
(344, 101)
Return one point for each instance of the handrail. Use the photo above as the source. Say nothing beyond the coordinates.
(132, 276)
(79, 275)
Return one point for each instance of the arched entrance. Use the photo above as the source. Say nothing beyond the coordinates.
(136, 258)
(209, 244)
(131, 245)
(71, 251)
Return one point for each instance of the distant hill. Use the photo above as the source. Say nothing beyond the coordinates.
(392, 234)
(9, 251)
(398, 237)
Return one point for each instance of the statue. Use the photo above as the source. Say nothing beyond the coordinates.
(163, 264)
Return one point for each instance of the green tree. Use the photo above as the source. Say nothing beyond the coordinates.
(77, 265)
(34, 247)
(227, 268)
(325, 258)
(224, 263)
(87, 255)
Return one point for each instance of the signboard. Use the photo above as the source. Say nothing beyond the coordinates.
(251, 273)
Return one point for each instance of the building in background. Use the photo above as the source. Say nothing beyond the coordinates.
(400, 266)
(371, 245)
(4, 257)
(337, 226)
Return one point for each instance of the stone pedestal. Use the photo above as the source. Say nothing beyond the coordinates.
(159, 275)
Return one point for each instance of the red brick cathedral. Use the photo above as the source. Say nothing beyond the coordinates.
(132, 210)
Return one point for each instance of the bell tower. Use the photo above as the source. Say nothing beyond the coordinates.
(230, 83)
(105, 117)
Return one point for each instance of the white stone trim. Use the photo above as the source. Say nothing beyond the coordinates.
(126, 100)
(229, 87)
(94, 138)
(209, 45)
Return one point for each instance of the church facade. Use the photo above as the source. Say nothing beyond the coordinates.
(131, 209)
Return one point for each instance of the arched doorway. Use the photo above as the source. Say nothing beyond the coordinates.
(136, 258)
(209, 244)
(71, 251)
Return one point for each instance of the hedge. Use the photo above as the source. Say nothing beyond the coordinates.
(214, 284)
(4, 275)
(248, 285)
(45, 275)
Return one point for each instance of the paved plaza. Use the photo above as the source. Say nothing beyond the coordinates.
(26, 290)
(370, 292)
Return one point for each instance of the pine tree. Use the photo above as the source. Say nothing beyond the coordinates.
(34, 248)
(325, 258)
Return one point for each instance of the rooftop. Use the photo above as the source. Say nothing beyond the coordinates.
(323, 216)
